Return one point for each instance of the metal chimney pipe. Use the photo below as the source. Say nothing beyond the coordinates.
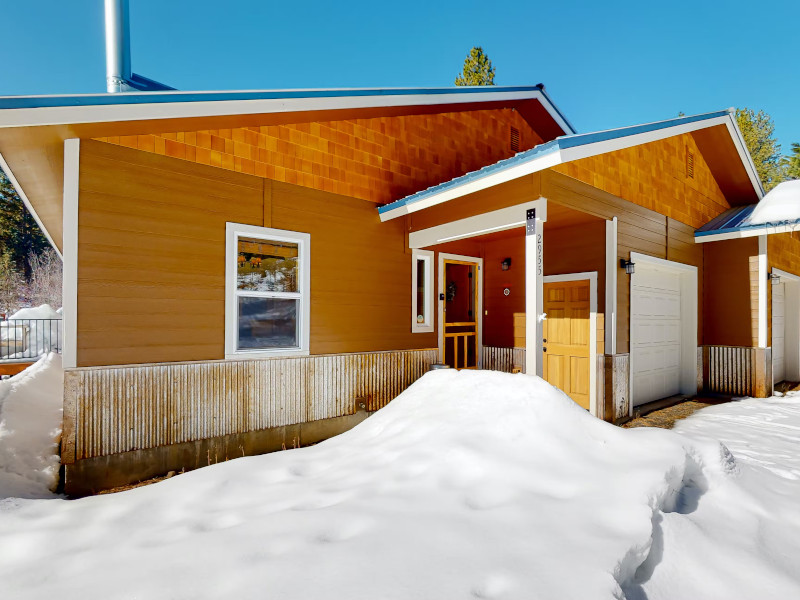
(118, 47)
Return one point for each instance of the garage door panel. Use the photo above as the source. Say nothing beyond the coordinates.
(655, 333)
(779, 332)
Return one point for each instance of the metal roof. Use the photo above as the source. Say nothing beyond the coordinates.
(560, 144)
(735, 222)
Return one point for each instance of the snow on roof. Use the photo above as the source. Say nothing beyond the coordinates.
(777, 212)
(781, 204)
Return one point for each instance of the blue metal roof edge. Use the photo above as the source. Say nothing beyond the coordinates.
(560, 143)
(506, 163)
(14, 102)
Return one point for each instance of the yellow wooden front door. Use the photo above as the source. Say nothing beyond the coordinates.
(566, 356)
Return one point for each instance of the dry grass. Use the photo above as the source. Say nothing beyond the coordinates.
(666, 417)
(130, 486)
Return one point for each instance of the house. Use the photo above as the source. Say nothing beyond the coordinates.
(250, 271)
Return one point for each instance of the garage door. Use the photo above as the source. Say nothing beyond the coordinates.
(655, 333)
(778, 332)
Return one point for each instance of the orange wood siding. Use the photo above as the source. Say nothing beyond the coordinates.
(151, 260)
(728, 306)
(783, 252)
(654, 176)
(377, 159)
(638, 230)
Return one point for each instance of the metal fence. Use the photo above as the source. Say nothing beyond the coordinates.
(29, 338)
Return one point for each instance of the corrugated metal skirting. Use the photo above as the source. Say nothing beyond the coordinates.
(729, 370)
(503, 359)
(118, 409)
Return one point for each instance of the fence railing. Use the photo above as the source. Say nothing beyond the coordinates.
(29, 338)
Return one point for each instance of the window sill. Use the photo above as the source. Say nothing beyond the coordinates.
(255, 354)
(422, 329)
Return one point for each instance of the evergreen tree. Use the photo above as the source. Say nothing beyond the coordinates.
(793, 163)
(478, 69)
(758, 131)
(20, 236)
(11, 285)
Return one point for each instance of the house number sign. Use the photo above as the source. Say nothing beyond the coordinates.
(530, 229)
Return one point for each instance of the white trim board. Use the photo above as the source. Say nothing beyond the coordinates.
(9, 173)
(106, 113)
(689, 310)
(762, 291)
(560, 156)
(303, 240)
(478, 309)
(610, 341)
(747, 233)
(428, 257)
(591, 276)
(484, 223)
(791, 323)
(69, 286)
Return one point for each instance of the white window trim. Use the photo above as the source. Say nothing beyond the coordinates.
(427, 256)
(232, 233)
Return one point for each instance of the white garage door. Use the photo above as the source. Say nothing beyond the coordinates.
(655, 333)
(778, 332)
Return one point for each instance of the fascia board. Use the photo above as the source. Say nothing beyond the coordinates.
(537, 164)
(64, 115)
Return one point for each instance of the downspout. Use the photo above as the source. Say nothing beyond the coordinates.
(118, 47)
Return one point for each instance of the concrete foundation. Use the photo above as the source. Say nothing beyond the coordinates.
(91, 475)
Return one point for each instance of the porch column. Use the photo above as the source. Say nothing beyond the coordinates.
(533, 293)
(611, 288)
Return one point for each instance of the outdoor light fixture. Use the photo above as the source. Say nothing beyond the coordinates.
(628, 265)
(775, 279)
(506, 264)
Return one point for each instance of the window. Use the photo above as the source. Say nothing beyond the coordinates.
(421, 291)
(266, 291)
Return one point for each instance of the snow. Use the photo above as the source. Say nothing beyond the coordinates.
(781, 203)
(469, 484)
(29, 335)
(30, 429)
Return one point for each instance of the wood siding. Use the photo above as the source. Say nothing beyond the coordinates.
(728, 304)
(654, 176)
(783, 252)
(377, 159)
(639, 230)
(152, 260)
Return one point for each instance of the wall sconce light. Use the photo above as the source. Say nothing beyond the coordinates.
(506, 264)
(628, 265)
(775, 279)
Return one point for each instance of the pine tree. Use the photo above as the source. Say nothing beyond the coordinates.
(478, 69)
(11, 284)
(758, 131)
(792, 163)
(20, 236)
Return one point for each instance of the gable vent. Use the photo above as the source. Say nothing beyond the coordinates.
(689, 163)
(514, 139)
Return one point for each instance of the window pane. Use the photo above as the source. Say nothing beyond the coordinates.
(267, 266)
(267, 323)
(422, 317)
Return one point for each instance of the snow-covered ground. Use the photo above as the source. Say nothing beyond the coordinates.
(470, 484)
(30, 429)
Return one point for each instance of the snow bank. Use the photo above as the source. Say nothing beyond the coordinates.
(29, 337)
(30, 429)
(744, 539)
(781, 203)
(470, 484)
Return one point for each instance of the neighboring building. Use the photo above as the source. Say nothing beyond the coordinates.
(251, 271)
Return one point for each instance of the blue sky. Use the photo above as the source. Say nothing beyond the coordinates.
(606, 64)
